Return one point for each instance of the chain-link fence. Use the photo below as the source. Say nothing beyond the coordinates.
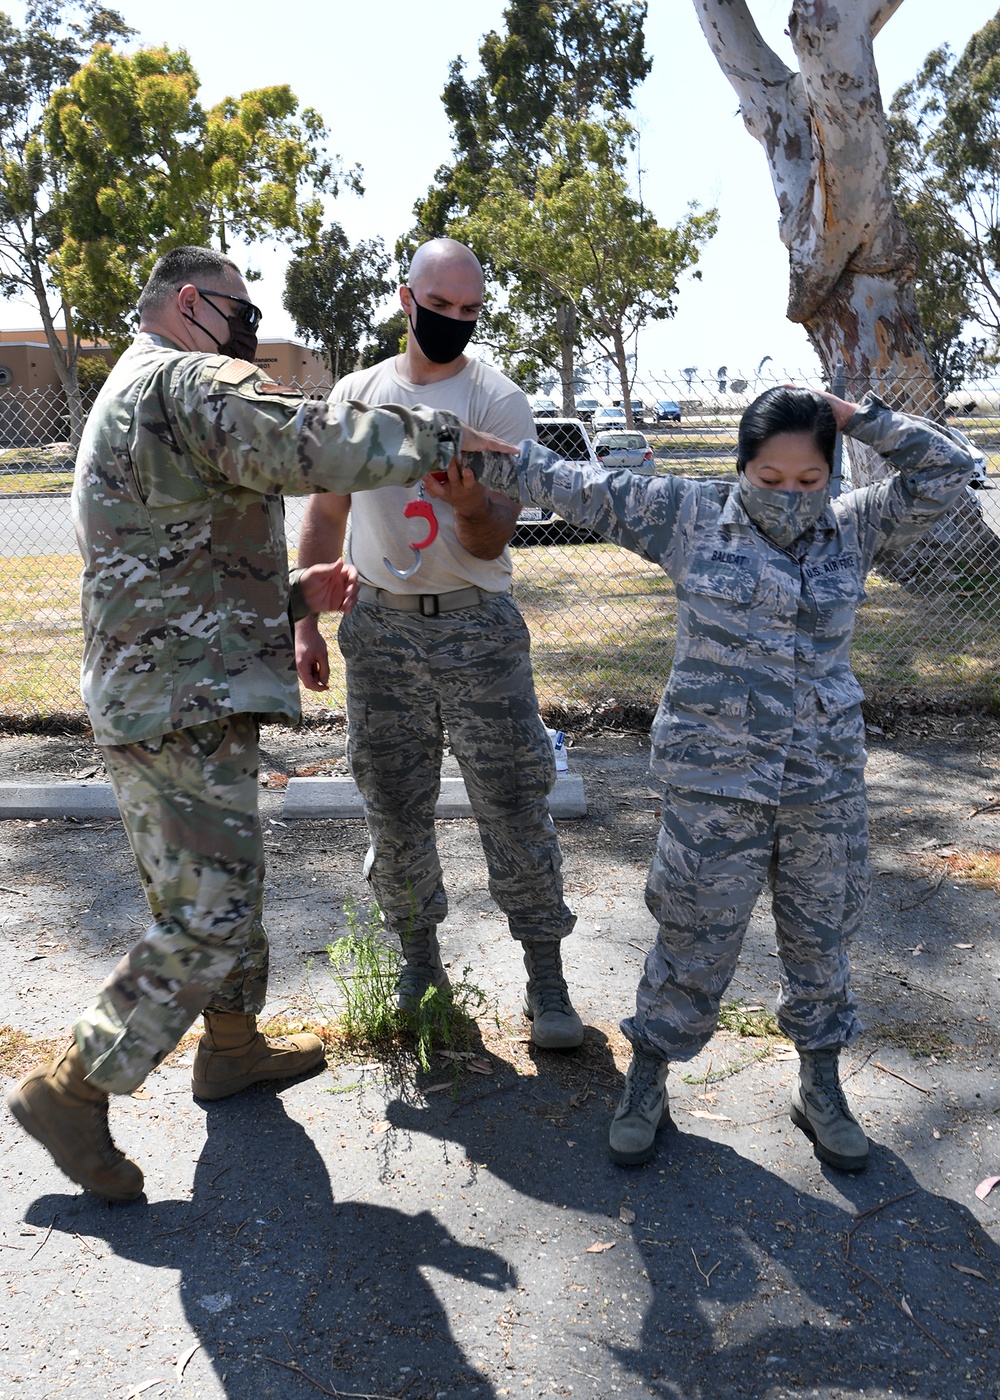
(602, 620)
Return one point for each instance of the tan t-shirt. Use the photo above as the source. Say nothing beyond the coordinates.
(489, 402)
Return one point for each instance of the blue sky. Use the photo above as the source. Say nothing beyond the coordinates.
(375, 72)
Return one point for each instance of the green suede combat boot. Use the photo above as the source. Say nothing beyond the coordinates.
(820, 1109)
(554, 1023)
(422, 967)
(642, 1112)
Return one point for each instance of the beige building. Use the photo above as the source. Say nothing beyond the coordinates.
(26, 362)
(33, 406)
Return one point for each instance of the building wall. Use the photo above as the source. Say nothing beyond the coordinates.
(28, 360)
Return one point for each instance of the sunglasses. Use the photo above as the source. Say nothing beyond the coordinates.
(250, 315)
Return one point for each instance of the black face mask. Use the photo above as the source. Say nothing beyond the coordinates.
(441, 338)
(241, 342)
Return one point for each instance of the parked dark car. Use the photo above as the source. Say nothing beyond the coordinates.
(667, 411)
(544, 408)
(585, 409)
(568, 437)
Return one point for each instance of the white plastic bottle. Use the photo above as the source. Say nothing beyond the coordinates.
(558, 741)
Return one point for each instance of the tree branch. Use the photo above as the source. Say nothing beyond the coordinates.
(772, 101)
(880, 12)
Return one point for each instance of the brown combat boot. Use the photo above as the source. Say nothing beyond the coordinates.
(233, 1054)
(69, 1117)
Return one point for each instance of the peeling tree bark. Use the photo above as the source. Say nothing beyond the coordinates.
(851, 259)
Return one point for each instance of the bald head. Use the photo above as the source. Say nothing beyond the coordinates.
(442, 298)
(442, 259)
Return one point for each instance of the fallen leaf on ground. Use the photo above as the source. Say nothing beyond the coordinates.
(382, 1127)
(973, 1272)
(438, 1088)
(963, 945)
(986, 1186)
(183, 1360)
(480, 1067)
(906, 1308)
(626, 1216)
(600, 1247)
(146, 1385)
(141, 1093)
(704, 1113)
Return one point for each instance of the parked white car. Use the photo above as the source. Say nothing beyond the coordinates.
(609, 418)
(628, 449)
(567, 437)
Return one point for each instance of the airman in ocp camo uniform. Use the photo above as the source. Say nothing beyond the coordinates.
(187, 642)
(759, 737)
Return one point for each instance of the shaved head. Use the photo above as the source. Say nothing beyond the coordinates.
(444, 258)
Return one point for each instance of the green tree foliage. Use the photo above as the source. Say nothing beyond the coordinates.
(388, 339)
(570, 60)
(35, 61)
(567, 58)
(109, 160)
(138, 166)
(584, 244)
(332, 291)
(944, 143)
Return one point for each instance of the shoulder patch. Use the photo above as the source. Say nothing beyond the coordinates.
(235, 372)
(268, 386)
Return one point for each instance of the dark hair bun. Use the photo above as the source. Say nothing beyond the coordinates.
(786, 410)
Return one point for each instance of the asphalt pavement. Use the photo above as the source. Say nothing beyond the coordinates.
(377, 1231)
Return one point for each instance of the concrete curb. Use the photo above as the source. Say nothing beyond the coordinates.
(32, 801)
(339, 797)
(304, 797)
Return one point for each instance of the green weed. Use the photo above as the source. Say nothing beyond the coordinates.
(741, 1018)
(366, 970)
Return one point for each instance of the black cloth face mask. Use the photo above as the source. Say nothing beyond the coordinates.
(241, 342)
(441, 338)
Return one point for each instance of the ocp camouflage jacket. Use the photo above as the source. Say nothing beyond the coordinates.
(761, 702)
(179, 517)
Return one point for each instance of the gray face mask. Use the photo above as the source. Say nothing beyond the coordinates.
(782, 515)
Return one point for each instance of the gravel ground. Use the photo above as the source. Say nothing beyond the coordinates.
(371, 1232)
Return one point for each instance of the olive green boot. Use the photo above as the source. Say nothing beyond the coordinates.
(69, 1117)
(422, 967)
(233, 1054)
(820, 1109)
(554, 1023)
(642, 1112)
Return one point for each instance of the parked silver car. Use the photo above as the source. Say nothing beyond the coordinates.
(628, 449)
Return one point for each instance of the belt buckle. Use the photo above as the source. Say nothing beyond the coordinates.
(429, 605)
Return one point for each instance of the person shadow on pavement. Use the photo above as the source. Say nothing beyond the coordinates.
(287, 1289)
(737, 1281)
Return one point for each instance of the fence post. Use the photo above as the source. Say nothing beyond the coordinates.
(838, 387)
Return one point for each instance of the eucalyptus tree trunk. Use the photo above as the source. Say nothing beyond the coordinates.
(851, 259)
(566, 330)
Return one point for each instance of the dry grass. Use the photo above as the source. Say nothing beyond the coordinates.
(55, 483)
(980, 868)
(602, 621)
(20, 1053)
(41, 635)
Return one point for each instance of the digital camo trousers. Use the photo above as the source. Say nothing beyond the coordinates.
(189, 805)
(712, 858)
(408, 679)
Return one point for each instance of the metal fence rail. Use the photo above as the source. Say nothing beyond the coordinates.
(602, 620)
